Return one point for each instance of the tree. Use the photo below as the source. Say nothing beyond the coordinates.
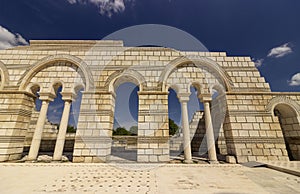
(71, 129)
(133, 130)
(121, 131)
(173, 127)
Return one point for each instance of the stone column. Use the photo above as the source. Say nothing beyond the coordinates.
(184, 98)
(38, 132)
(61, 137)
(212, 156)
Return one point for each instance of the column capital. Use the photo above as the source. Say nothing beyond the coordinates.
(184, 97)
(68, 96)
(47, 96)
(205, 97)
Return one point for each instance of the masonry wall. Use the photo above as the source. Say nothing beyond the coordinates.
(93, 136)
(15, 113)
(254, 133)
(153, 127)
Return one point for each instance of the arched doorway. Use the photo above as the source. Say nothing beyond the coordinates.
(289, 123)
(59, 83)
(125, 129)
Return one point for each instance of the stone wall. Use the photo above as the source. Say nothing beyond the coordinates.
(255, 131)
(153, 127)
(15, 112)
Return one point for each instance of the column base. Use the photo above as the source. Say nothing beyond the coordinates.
(29, 159)
(188, 162)
(213, 162)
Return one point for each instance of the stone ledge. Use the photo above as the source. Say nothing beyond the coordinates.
(101, 43)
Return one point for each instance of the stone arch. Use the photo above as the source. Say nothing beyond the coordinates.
(122, 76)
(196, 85)
(282, 100)
(49, 61)
(77, 87)
(4, 77)
(55, 85)
(175, 87)
(218, 87)
(287, 113)
(33, 87)
(197, 61)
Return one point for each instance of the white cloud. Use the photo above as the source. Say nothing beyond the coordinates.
(280, 51)
(258, 62)
(106, 7)
(72, 1)
(9, 39)
(295, 81)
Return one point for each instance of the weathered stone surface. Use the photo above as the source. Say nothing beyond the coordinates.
(231, 159)
(44, 158)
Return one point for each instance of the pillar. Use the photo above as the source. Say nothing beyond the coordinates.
(61, 137)
(153, 124)
(38, 132)
(212, 156)
(94, 128)
(184, 98)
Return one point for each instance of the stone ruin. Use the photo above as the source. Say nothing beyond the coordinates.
(246, 120)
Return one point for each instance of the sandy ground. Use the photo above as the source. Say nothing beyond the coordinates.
(143, 178)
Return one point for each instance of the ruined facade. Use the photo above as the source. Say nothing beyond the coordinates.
(254, 122)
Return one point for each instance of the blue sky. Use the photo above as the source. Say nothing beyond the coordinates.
(266, 30)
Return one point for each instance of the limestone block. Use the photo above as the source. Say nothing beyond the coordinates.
(163, 158)
(143, 158)
(257, 152)
(230, 159)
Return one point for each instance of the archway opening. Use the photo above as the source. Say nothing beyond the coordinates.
(52, 122)
(196, 124)
(289, 123)
(218, 112)
(175, 129)
(72, 125)
(35, 90)
(125, 130)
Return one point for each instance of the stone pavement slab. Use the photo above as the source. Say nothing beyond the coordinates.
(291, 167)
(143, 178)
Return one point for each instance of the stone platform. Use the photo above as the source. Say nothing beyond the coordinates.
(143, 178)
(291, 167)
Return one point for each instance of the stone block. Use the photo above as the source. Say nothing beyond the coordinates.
(276, 152)
(98, 160)
(88, 159)
(78, 159)
(153, 158)
(257, 152)
(143, 158)
(163, 158)
(230, 159)
(242, 159)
